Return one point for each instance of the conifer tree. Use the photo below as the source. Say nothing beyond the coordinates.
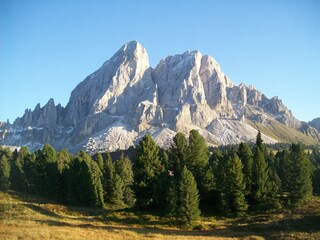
(96, 183)
(220, 173)
(260, 177)
(48, 174)
(259, 141)
(63, 162)
(84, 184)
(123, 168)
(274, 188)
(188, 212)
(17, 176)
(108, 178)
(4, 172)
(30, 173)
(5, 168)
(198, 162)
(300, 182)
(172, 196)
(147, 168)
(233, 196)
(315, 158)
(274, 180)
(198, 155)
(117, 191)
(316, 180)
(63, 159)
(162, 193)
(178, 153)
(246, 157)
(99, 161)
(283, 164)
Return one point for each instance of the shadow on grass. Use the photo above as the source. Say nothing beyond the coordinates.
(41, 210)
(309, 224)
(142, 223)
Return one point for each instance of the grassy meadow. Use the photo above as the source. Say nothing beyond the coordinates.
(28, 217)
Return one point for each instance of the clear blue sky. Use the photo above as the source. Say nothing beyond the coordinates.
(48, 47)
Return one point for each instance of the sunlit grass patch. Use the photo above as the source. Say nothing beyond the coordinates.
(29, 217)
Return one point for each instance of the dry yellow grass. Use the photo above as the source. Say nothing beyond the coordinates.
(27, 217)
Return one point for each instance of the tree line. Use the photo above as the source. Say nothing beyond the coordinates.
(180, 182)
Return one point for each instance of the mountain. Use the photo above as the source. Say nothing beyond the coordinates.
(125, 99)
(315, 123)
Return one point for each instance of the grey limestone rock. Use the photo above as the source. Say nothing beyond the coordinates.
(125, 99)
(315, 123)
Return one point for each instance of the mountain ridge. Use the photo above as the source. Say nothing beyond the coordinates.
(125, 99)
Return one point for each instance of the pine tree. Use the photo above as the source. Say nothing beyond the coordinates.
(260, 177)
(283, 169)
(246, 157)
(48, 174)
(4, 172)
(274, 186)
(316, 180)
(178, 153)
(30, 173)
(233, 196)
(63, 162)
(315, 159)
(84, 184)
(259, 141)
(123, 168)
(99, 161)
(300, 182)
(198, 163)
(220, 166)
(5, 168)
(162, 195)
(198, 155)
(108, 175)
(188, 212)
(147, 169)
(96, 183)
(117, 191)
(172, 196)
(17, 176)
(63, 159)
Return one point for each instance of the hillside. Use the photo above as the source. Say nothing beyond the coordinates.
(29, 217)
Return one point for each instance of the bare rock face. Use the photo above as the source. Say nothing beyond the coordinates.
(238, 95)
(315, 123)
(178, 82)
(41, 117)
(100, 90)
(215, 84)
(309, 131)
(276, 108)
(114, 107)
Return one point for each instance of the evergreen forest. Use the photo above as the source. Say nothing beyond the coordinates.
(183, 182)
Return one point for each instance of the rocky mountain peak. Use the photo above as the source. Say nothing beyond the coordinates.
(125, 99)
(39, 117)
(101, 89)
(132, 53)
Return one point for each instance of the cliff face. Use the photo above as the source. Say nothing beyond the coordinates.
(123, 100)
(315, 123)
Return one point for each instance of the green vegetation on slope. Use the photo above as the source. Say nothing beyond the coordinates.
(282, 133)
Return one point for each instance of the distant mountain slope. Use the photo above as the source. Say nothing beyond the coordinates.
(125, 99)
(315, 123)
